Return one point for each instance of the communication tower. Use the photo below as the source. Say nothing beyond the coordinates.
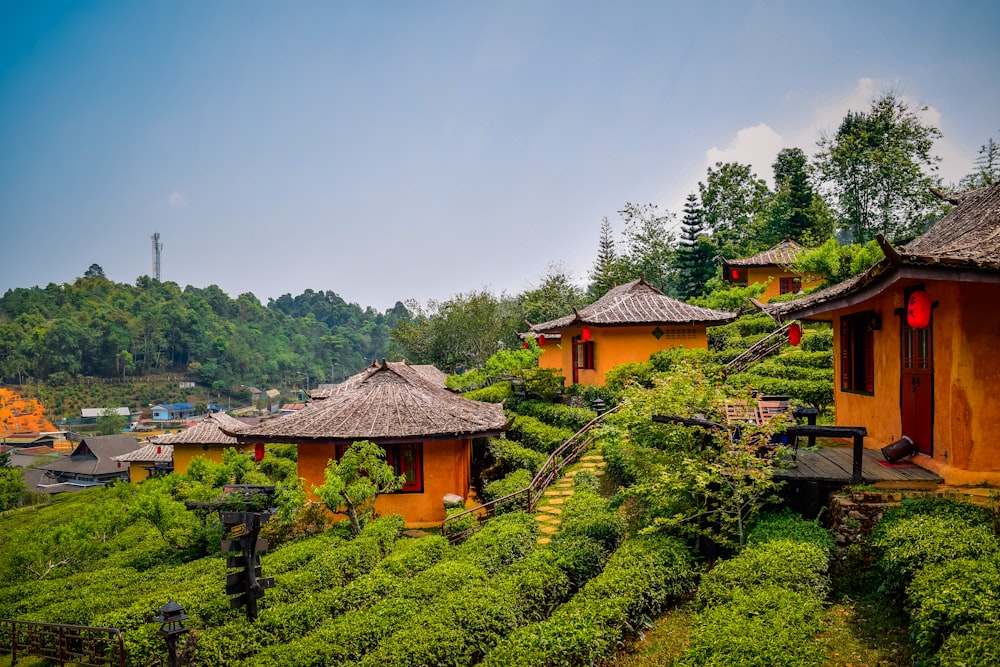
(157, 247)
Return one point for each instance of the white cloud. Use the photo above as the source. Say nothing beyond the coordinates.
(756, 146)
(177, 200)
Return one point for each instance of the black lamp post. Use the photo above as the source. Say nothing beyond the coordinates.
(598, 405)
(172, 627)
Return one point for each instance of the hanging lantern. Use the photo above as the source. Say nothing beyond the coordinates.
(735, 274)
(258, 451)
(585, 334)
(794, 334)
(918, 310)
(524, 344)
(541, 339)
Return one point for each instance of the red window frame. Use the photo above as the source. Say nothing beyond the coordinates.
(791, 285)
(406, 459)
(857, 353)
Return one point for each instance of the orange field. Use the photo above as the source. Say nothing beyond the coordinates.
(21, 415)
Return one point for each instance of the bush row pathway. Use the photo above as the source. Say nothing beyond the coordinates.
(548, 512)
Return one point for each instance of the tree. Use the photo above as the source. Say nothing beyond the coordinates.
(608, 268)
(94, 271)
(354, 482)
(110, 422)
(987, 167)
(695, 252)
(734, 200)
(554, 297)
(879, 170)
(796, 211)
(649, 245)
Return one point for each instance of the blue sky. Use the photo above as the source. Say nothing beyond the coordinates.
(395, 150)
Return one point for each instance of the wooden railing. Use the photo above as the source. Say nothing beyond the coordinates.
(767, 345)
(75, 644)
(524, 499)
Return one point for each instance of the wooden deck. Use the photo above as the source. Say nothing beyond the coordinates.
(833, 465)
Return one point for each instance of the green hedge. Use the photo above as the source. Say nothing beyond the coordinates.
(516, 481)
(950, 597)
(640, 580)
(495, 393)
(770, 626)
(978, 645)
(786, 525)
(509, 456)
(537, 435)
(554, 414)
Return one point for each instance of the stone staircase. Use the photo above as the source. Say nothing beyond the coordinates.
(548, 512)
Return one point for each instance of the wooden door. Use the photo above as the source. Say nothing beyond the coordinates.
(916, 386)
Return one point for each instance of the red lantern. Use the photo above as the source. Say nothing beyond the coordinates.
(735, 274)
(541, 340)
(794, 334)
(258, 451)
(918, 310)
(585, 334)
(524, 344)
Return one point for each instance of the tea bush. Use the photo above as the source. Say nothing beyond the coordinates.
(516, 481)
(509, 456)
(787, 525)
(769, 626)
(977, 645)
(554, 414)
(537, 435)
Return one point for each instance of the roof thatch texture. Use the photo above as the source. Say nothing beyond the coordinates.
(152, 453)
(636, 303)
(206, 432)
(385, 402)
(967, 239)
(783, 254)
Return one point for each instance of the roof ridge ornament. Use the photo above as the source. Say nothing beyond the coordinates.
(890, 253)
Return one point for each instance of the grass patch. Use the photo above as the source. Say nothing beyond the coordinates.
(664, 643)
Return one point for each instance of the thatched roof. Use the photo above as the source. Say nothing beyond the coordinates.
(636, 303)
(206, 432)
(387, 402)
(783, 254)
(966, 242)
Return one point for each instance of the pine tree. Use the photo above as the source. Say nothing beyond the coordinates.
(604, 274)
(695, 252)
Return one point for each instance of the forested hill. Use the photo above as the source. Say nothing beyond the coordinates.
(96, 327)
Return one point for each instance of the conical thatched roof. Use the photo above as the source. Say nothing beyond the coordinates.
(636, 302)
(964, 244)
(387, 402)
(783, 254)
(206, 432)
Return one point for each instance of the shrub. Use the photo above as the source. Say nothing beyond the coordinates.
(461, 525)
(950, 597)
(501, 542)
(787, 525)
(629, 373)
(906, 545)
(509, 456)
(817, 339)
(538, 435)
(941, 507)
(495, 393)
(643, 576)
(794, 565)
(517, 480)
(769, 626)
(977, 645)
(555, 414)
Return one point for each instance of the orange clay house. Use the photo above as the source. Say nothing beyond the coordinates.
(936, 381)
(772, 268)
(205, 438)
(629, 323)
(425, 429)
(148, 460)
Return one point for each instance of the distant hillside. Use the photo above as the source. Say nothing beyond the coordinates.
(94, 327)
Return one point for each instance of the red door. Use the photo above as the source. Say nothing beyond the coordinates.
(916, 386)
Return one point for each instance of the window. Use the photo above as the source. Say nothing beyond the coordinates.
(857, 353)
(583, 353)
(789, 285)
(406, 459)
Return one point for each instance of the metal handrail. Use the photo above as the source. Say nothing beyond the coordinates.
(758, 350)
(533, 492)
(84, 645)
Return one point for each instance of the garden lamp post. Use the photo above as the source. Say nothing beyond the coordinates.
(172, 627)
